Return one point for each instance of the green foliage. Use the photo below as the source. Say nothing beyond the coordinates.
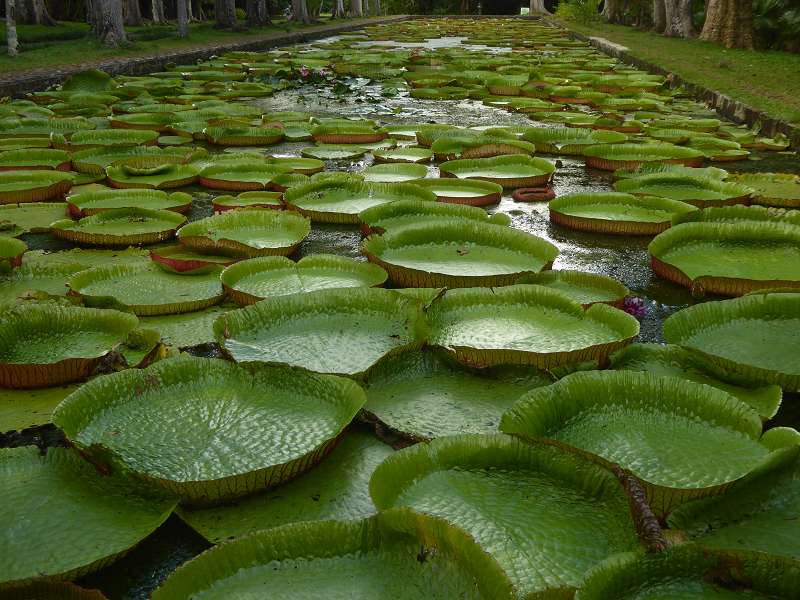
(777, 24)
(582, 11)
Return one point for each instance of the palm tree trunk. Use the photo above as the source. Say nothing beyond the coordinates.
(158, 11)
(107, 22)
(729, 22)
(183, 7)
(678, 18)
(11, 27)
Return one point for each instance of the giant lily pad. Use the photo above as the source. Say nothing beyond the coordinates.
(683, 440)
(753, 338)
(35, 278)
(59, 495)
(728, 259)
(630, 156)
(394, 173)
(33, 159)
(403, 213)
(616, 213)
(89, 203)
(348, 133)
(179, 259)
(241, 175)
(253, 199)
(699, 191)
(304, 166)
(112, 137)
(17, 187)
(150, 174)
(773, 189)
(45, 345)
(337, 488)
(403, 155)
(343, 561)
(569, 140)
(249, 232)
(458, 253)
(11, 251)
(340, 200)
(463, 191)
(586, 288)
(203, 407)
(757, 513)
(120, 227)
(691, 571)
(31, 217)
(333, 152)
(147, 289)
(509, 171)
(340, 331)
(674, 361)
(243, 136)
(526, 325)
(186, 330)
(20, 409)
(252, 280)
(423, 395)
(544, 514)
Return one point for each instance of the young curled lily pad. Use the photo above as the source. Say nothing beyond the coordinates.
(120, 227)
(89, 203)
(616, 213)
(17, 187)
(61, 495)
(728, 259)
(586, 288)
(683, 440)
(179, 259)
(753, 339)
(422, 395)
(45, 345)
(205, 407)
(526, 325)
(380, 557)
(147, 289)
(157, 173)
(339, 331)
(252, 280)
(508, 171)
(545, 515)
(453, 252)
(11, 251)
(247, 233)
(337, 488)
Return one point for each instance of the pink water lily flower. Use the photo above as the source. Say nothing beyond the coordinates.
(635, 306)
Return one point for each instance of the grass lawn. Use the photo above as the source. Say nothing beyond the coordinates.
(69, 43)
(766, 80)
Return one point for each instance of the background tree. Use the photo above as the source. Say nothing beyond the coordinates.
(338, 11)
(157, 8)
(11, 27)
(225, 13)
(659, 16)
(106, 20)
(729, 22)
(538, 7)
(131, 13)
(182, 8)
(678, 18)
(33, 12)
(356, 8)
(257, 15)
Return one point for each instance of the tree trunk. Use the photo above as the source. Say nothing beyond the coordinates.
(338, 11)
(257, 13)
(225, 13)
(729, 22)
(538, 7)
(613, 11)
(678, 18)
(659, 16)
(356, 9)
(131, 13)
(158, 11)
(300, 11)
(11, 27)
(183, 7)
(107, 22)
(33, 12)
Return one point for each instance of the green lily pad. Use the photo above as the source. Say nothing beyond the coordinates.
(86, 258)
(753, 339)
(545, 515)
(120, 227)
(526, 325)
(452, 252)
(728, 259)
(508, 171)
(161, 176)
(338, 200)
(611, 157)
(339, 331)
(249, 233)
(298, 415)
(422, 395)
(90, 203)
(252, 280)
(20, 409)
(337, 488)
(586, 288)
(403, 155)
(147, 289)
(253, 199)
(241, 175)
(374, 558)
(616, 213)
(17, 187)
(403, 213)
(304, 166)
(394, 173)
(34, 158)
(773, 189)
(674, 361)
(334, 152)
(61, 495)
(31, 217)
(683, 440)
(30, 279)
(112, 137)
(243, 136)
(46, 345)
(698, 191)
(463, 191)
